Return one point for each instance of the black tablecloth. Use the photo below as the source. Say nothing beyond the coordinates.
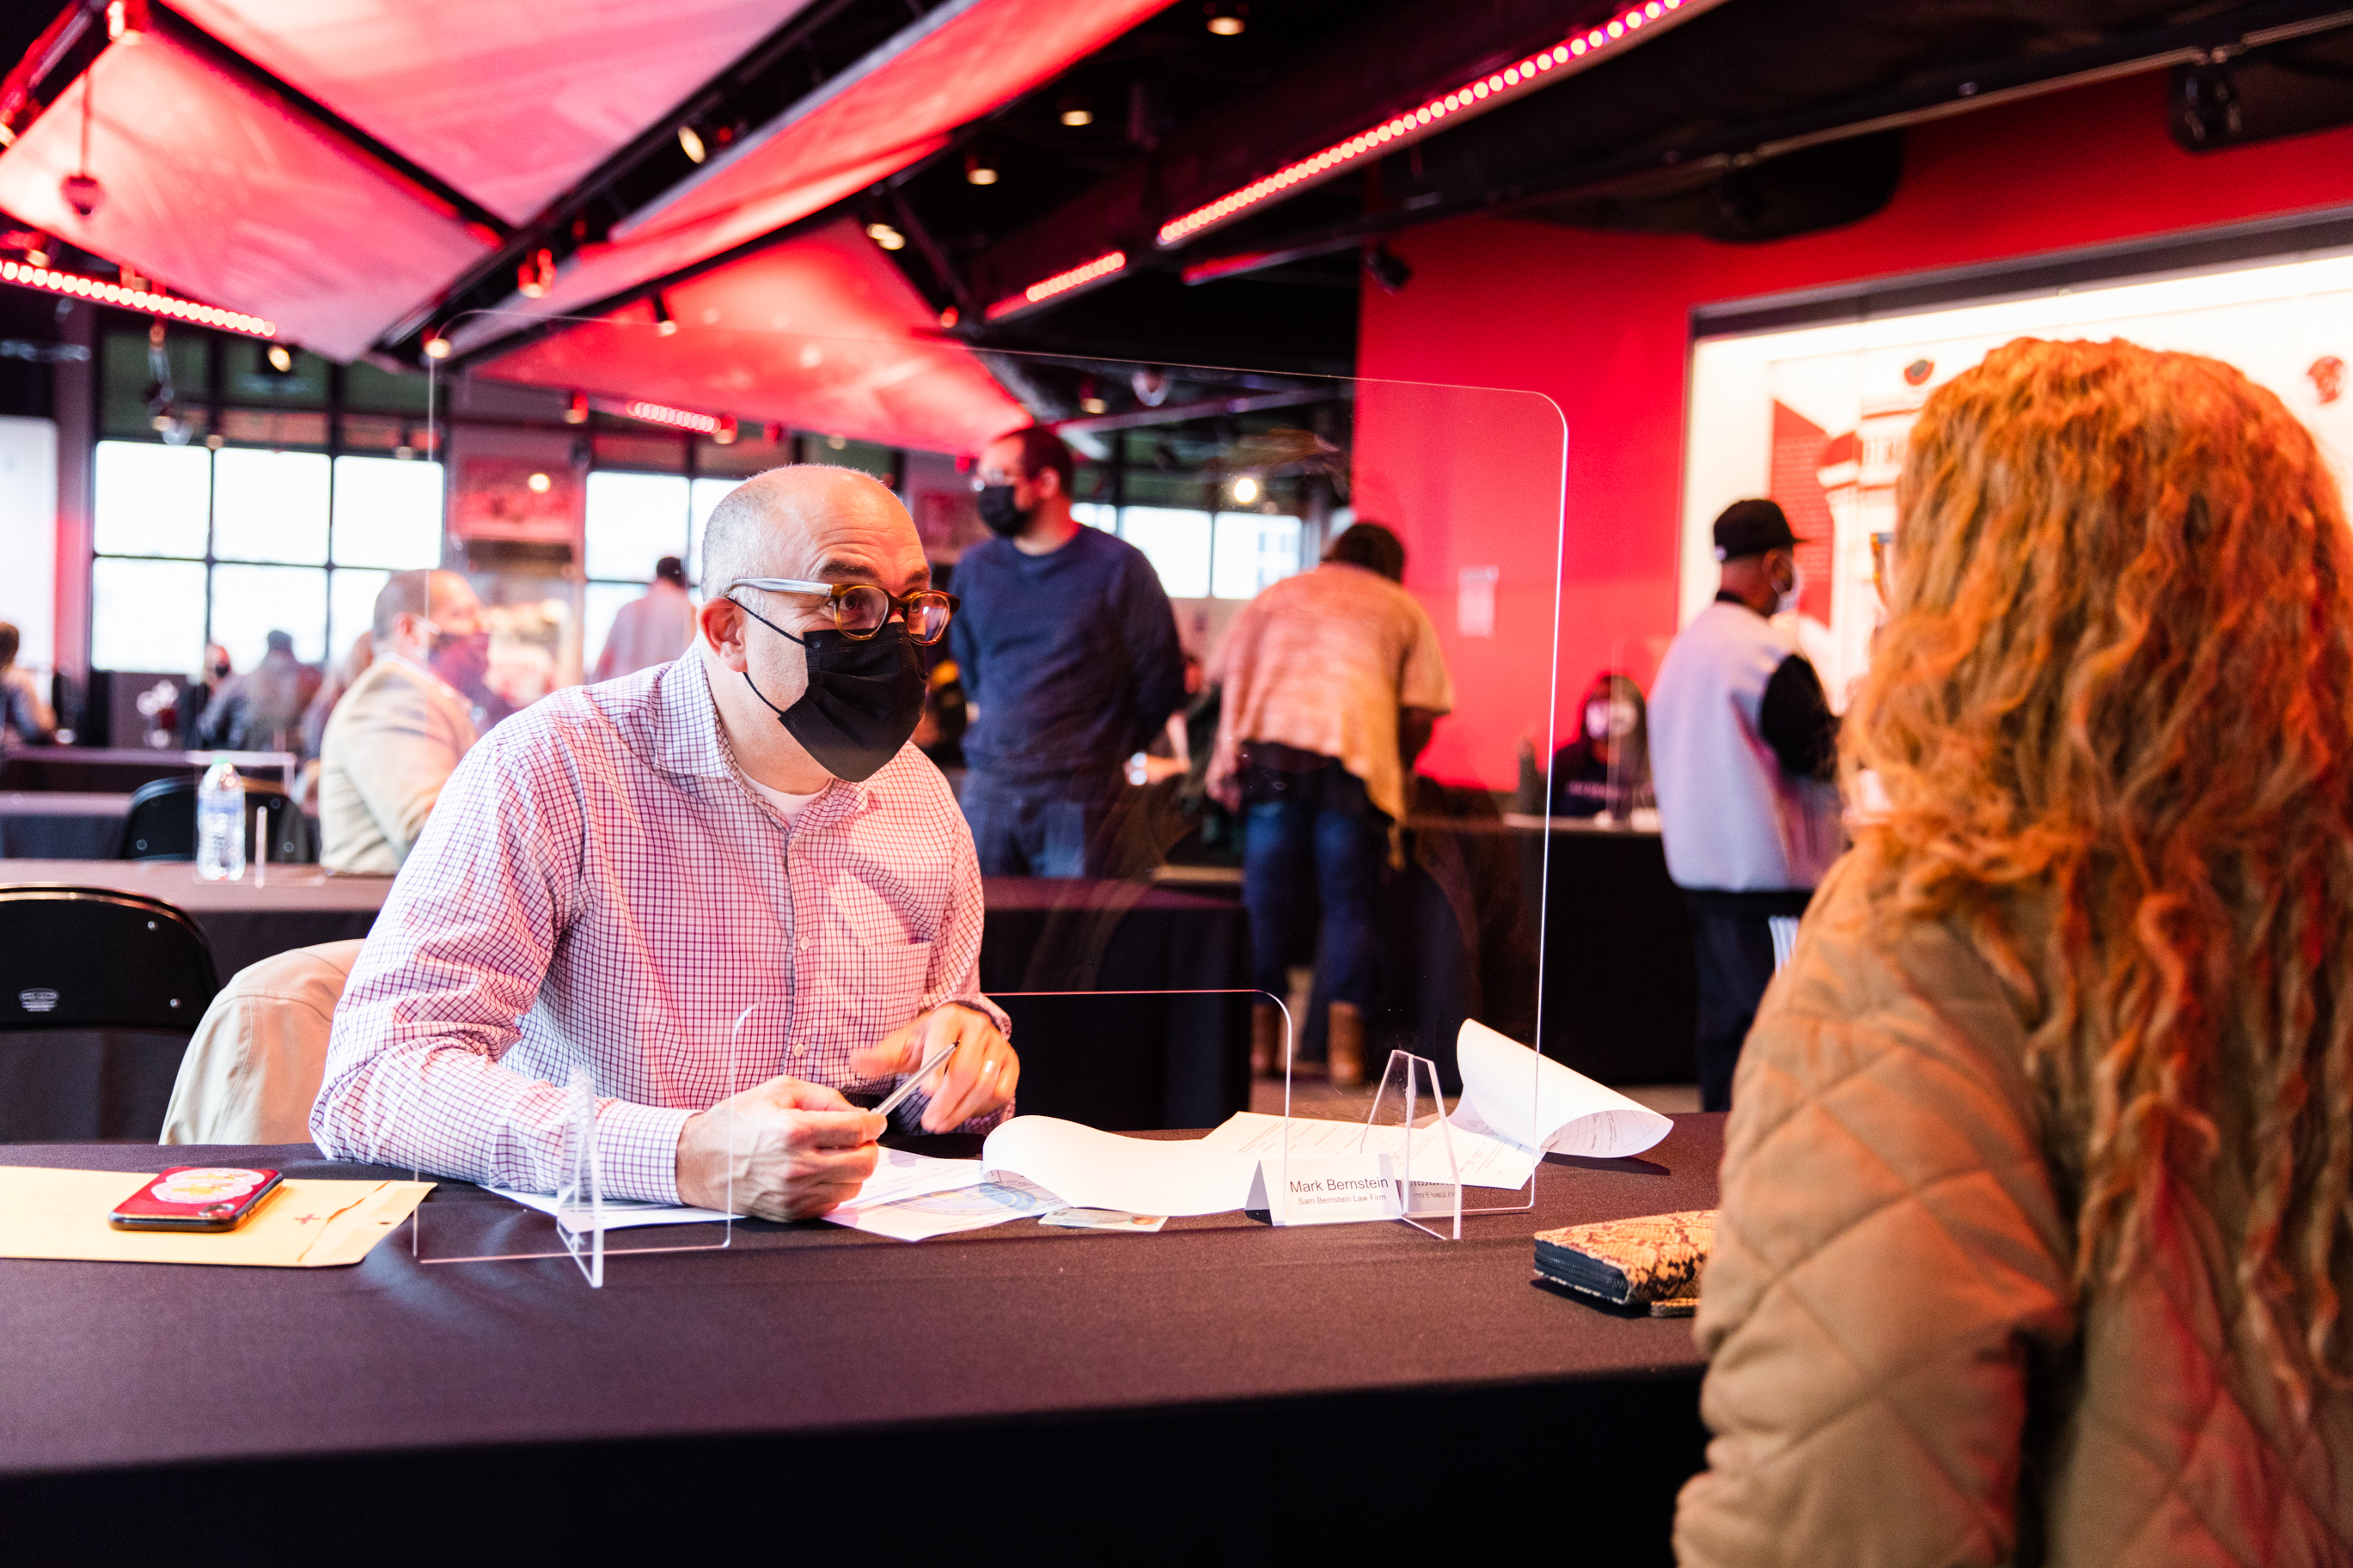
(1620, 995)
(62, 824)
(1221, 1388)
(1153, 1061)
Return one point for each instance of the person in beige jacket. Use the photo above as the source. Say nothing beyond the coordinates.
(2035, 1242)
(396, 737)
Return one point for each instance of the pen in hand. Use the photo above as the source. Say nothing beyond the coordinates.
(920, 1074)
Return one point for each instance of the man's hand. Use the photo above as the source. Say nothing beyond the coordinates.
(977, 1079)
(796, 1150)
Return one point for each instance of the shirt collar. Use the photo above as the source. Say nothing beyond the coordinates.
(688, 742)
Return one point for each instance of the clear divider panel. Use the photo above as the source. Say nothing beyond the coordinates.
(577, 1218)
(1327, 792)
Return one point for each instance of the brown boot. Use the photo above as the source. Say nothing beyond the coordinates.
(1266, 1040)
(1344, 1046)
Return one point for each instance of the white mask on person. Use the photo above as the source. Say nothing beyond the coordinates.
(1787, 602)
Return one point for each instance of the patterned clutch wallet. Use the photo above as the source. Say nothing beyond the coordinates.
(1653, 1261)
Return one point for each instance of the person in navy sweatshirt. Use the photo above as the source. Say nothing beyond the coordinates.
(1069, 660)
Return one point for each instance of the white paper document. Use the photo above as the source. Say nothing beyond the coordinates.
(1512, 1094)
(921, 1217)
(619, 1214)
(1106, 1170)
(1481, 1161)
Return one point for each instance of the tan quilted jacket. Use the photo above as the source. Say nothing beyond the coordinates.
(1897, 1373)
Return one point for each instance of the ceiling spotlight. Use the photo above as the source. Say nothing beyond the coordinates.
(536, 275)
(282, 359)
(576, 411)
(837, 442)
(36, 257)
(663, 324)
(949, 317)
(690, 144)
(977, 172)
(1092, 405)
(1225, 16)
(883, 235)
(728, 430)
(1075, 112)
(1245, 489)
(125, 20)
(540, 484)
(436, 345)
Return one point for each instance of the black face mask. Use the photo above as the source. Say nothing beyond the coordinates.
(997, 509)
(864, 701)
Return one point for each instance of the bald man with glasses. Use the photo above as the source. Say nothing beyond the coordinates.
(617, 873)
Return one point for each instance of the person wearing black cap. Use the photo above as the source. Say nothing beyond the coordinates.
(1742, 753)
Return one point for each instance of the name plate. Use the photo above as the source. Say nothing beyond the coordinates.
(1327, 1189)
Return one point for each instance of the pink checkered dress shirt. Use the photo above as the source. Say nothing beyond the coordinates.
(598, 885)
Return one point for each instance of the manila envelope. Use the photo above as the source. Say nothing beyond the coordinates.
(304, 1225)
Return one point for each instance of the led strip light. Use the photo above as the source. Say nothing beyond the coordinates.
(1079, 277)
(25, 275)
(1572, 54)
(678, 419)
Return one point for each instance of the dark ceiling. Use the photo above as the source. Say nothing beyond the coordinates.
(1742, 121)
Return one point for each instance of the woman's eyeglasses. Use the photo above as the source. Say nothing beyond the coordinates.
(861, 610)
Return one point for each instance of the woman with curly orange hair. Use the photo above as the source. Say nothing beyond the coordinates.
(2037, 1228)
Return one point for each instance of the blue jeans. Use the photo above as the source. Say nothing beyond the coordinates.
(1284, 843)
(1037, 831)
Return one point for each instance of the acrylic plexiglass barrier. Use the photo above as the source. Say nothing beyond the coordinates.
(1227, 481)
(578, 1219)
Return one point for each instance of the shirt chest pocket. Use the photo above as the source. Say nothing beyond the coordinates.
(889, 987)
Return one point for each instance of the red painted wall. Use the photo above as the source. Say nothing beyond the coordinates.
(1600, 324)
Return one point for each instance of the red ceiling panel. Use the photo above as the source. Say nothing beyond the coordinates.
(965, 58)
(819, 333)
(512, 103)
(227, 194)
(956, 64)
(600, 271)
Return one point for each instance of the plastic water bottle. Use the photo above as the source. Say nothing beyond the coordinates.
(220, 824)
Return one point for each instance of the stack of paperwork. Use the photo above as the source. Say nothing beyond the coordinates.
(1516, 1107)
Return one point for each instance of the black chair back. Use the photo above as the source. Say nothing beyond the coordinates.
(161, 823)
(92, 958)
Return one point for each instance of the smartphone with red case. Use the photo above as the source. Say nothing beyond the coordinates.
(196, 1197)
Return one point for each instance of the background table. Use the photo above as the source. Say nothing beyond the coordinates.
(62, 824)
(1114, 1060)
(1221, 1389)
(116, 1083)
(1109, 1061)
(124, 768)
(1620, 997)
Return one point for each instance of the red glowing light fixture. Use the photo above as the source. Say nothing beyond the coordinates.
(1566, 58)
(25, 275)
(1079, 277)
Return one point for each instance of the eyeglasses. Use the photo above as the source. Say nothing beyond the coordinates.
(861, 610)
